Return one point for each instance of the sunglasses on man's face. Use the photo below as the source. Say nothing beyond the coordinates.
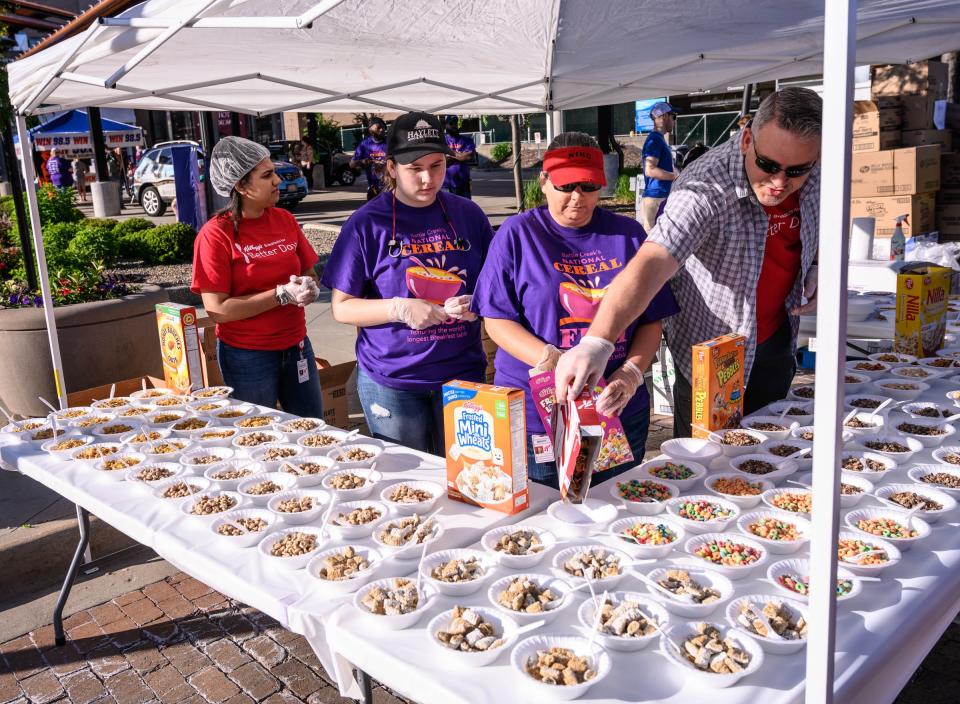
(769, 166)
(584, 187)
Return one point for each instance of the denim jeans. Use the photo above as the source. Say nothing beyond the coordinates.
(635, 427)
(411, 418)
(265, 377)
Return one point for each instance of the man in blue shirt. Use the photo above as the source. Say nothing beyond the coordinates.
(658, 173)
(458, 164)
(371, 154)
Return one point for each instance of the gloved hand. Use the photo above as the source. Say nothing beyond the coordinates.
(309, 291)
(548, 360)
(416, 313)
(292, 288)
(459, 307)
(809, 292)
(622, 386)
(582, 365)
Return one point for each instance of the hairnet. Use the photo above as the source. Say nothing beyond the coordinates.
(231, 160)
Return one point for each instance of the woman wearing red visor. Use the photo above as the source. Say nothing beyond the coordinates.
(545, 275)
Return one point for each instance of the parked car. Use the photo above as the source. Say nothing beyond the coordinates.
(336, 163)
(293, 184)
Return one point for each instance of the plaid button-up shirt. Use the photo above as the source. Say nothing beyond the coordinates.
(716, 229)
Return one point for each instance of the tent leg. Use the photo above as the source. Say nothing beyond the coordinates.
(839, 42)
(29, 176)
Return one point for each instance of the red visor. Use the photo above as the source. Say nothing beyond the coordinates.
(574, 165)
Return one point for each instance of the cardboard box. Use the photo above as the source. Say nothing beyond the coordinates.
(120, 388)
(917, 112)
(947, 196)
(208, 348)
(922, 297)
(889, 139)
(335, 393)
(917, 138)
(920, 209)
(869, 118)
(917, 78)
(950, 171)
(180, 347)
(718, 384)
(895, 172)
(948, 221)
(486, 445)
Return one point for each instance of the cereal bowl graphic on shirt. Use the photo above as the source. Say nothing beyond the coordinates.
(431, 282)
(580, 299)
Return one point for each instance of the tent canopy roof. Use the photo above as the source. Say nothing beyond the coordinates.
(472, 56)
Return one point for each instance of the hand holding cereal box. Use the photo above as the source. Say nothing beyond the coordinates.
(578, 438)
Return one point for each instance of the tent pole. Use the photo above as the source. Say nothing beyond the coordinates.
(28, 176)
(839, 40)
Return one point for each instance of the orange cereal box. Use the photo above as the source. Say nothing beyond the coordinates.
(921, 318)
(180, 347)
(486, 441)
(718, 384)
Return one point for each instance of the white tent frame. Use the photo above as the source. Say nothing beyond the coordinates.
(839, 49)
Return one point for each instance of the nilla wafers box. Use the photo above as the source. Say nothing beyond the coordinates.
(486, 445)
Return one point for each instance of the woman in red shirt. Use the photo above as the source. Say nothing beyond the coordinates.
(254, 269)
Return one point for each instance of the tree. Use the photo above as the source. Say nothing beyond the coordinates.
(328, 132)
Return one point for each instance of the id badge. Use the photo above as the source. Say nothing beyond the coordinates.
(542, 448)
(303, 371)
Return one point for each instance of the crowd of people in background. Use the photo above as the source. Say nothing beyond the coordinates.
(63, 170)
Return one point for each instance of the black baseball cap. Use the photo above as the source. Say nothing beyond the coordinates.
(413, 135)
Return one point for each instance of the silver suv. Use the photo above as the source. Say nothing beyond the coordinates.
(153, 185)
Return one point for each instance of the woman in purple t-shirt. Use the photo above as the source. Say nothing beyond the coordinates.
(403, 271)
(545, 275)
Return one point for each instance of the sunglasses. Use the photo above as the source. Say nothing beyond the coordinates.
(769, 166)
(585, 187)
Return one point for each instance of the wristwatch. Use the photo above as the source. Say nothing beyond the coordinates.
(283, 298)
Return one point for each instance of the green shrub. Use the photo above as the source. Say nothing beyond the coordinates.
(167, 244)
(57, 205)
(125, 227)
(133, 245)
(94, 244)
(7, 206)
(500, 151)
(106, 223)
(56, 244)
(532, 194)
(623, 188)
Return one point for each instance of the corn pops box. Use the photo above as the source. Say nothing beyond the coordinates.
(718, 384)
(577, 441)
(180, 347)
(486, 445)
(921, 317)
(614, 447)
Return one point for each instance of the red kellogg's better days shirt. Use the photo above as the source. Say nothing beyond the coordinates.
(265, 252)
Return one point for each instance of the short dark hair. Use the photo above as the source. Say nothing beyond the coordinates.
(796, 110)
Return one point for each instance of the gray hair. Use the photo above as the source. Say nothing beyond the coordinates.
(796, 110)
(573, 139)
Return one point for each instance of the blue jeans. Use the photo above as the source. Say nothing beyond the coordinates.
(635, 427)
(265, 377)
(411, 418)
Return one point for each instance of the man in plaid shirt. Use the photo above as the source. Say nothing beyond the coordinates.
(739, 237)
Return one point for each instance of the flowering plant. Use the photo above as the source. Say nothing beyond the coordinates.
(78, 286)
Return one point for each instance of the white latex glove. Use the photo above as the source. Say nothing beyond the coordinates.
(292, 288)
(622, 386)
(582, 365)
(459, 307)
(309, 291)
(548, 360)
(809, 292)
(416, 313)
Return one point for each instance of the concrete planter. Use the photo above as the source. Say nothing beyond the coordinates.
(100, 342)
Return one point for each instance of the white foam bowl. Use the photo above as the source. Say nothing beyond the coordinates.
(187, 505)
(457, 589)
(948, 502)
(706, 577)
(919, 472)
(690, 449)
(785, 425)
(239, 463)
(374, 450)
(697, 527)
(83, 424)
(435, 490)
(112, 405)
(149, 395)
(232, 413)
(292, 432)
(851, 500)
(267, 420)
(867, 473)
(948, 430)
(294, 562)
(156, 419)
(213, 392)
(161, 486)
(903, 359)
(65, 454)
(305, 479)
(105, 432)
(920, 373)
(409, 551)
(333, 434)
(602, 583)
(637, 550)
(650, 467)
(913, 410)
(794, 396)
(855, 366)
(874, 424)
(118, 475)
(579, 520)
(187, 429)
(587, 615)
(776, 547)
(893, 553)
(950, 350)
(130, 475)
(189, 458)
(171, 402)
(850, 398)
(771, 644)
(804, 462)
(799, 566)
(641, 508)
(350, 584)
(370, 477)
(261, 452)
(248, 539)
(108, 449)
(769, 496)
(529, 647)
(784, 467)
(681, 632)
(941, 453)
(284, 481)
(916, 524)
(207, 437)
(900, 458)
(954, 396)
(733, 572)
(150, 449)
(517, 562)
(883, 388)
(801, 430)
(143, 435)
(504, 626)
(860, 381)
(562, 588)
(736, 450)
(319, 498)
(199, 407)
(946, 365)
(742, 502)
(396, 622)
(351, 532)
(777, 407)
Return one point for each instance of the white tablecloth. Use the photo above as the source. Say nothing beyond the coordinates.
(882, 635)
(290, 596)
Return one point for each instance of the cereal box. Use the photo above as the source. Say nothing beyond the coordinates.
(180, 347)
(921, 318)
(578, 437)
(486, 441)
(718, 384)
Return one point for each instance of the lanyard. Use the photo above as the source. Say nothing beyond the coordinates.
(395, 246)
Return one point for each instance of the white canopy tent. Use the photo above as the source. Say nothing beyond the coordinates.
(503, 56)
